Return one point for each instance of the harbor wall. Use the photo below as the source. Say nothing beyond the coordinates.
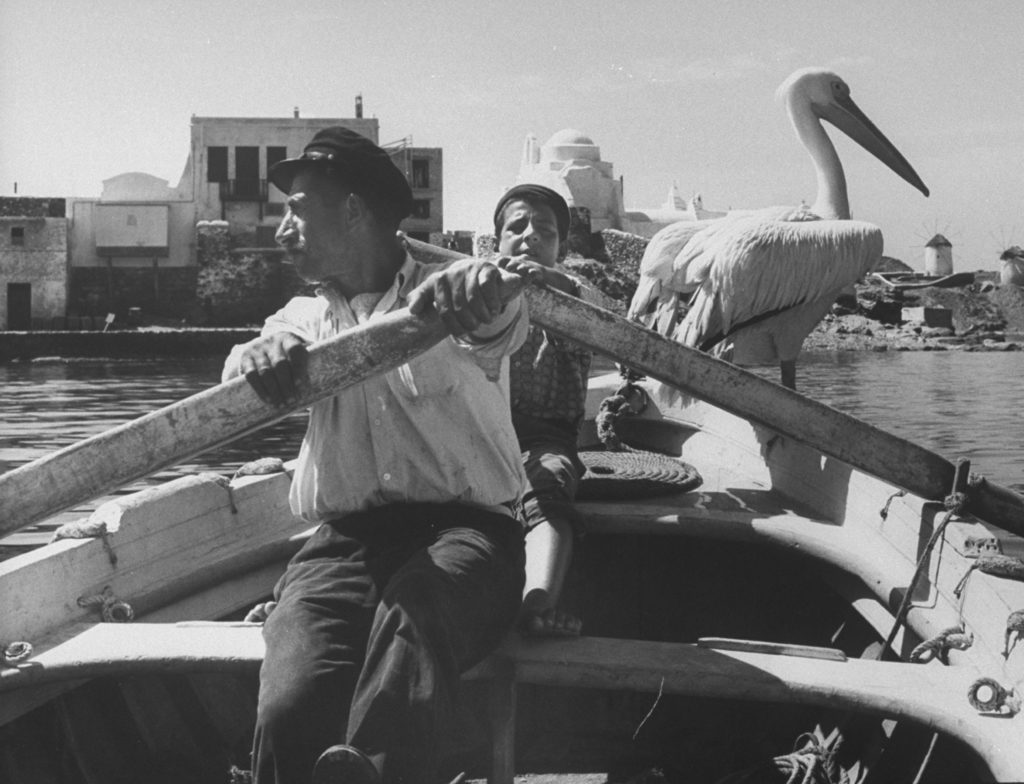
(23, 346)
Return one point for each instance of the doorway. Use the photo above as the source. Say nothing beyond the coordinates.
(19, 306)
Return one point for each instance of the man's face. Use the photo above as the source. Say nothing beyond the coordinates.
(529, 230)
(313, 231)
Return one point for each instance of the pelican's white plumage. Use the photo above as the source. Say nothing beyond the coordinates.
(758, 281)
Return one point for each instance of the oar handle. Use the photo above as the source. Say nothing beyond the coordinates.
(216, 416)
(96, 465)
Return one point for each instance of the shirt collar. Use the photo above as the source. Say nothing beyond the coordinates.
(401, 286)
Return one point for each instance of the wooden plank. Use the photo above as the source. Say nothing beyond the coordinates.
(101, 649)
(179, 540)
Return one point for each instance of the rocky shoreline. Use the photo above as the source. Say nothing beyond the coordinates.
(982, 316)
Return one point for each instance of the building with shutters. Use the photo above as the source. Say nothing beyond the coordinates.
(135, 247)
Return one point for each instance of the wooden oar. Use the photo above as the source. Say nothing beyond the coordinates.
(216, 416)
(203, 421)
(854, 442)
(860, 445)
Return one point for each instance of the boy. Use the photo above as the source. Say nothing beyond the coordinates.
(548, 382)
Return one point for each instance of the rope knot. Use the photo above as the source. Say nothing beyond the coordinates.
(938, 647)
(88, 528)
(112, 609)
(1014, 631)
(629, 399)
(955, 502)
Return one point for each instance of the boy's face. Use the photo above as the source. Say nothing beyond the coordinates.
(529, 230)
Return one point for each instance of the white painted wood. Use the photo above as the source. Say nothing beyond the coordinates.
(172, 541)
(932, 695)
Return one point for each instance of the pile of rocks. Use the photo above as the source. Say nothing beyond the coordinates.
(981, 317)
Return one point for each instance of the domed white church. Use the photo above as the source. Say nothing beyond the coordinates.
(570, 163)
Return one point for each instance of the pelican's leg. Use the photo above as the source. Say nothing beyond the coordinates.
(788, 368)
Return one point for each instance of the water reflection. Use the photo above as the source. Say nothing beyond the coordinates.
(957, 404)
(49, 405)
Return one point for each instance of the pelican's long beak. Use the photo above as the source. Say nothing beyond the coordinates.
(845, 115)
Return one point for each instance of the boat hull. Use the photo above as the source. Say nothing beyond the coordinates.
(785, 550)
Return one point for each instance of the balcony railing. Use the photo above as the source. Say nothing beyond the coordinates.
(243, 190)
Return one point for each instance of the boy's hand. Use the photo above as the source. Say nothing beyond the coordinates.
(538, 274)
(524, 267)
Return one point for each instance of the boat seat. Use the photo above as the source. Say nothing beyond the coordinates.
(724, 669)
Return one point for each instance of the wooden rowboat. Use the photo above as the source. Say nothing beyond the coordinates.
(825, 578)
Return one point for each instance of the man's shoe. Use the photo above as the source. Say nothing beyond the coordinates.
(343, 764)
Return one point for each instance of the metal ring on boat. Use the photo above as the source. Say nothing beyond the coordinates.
(16, 652)
(995, 702)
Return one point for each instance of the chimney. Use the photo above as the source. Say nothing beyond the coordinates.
(359, 107)
(295, 113)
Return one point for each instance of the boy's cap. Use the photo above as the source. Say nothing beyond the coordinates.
(363, 165)
(530, 192)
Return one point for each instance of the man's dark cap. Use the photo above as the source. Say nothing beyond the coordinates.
(357, 161)
(532, 194)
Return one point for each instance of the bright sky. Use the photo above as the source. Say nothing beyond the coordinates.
(669, 90)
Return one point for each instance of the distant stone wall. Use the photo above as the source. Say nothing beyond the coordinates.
(164, 292)
(239, 286)
(38, 259)
(30, 207)
(17, 346)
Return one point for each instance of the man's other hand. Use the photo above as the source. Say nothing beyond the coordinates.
(273, 365)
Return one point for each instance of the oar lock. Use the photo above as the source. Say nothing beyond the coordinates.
(112, 609)
(14, 653)
(987, 695)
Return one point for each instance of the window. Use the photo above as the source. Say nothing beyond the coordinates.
(275, 154)
(420, 208)
(216, 164)
(247, 163)
(420, 173)
(17, 235)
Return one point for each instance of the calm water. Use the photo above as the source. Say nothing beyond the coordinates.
(957, 404)
(47, 405)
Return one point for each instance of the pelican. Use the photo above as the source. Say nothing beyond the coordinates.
(758, 281)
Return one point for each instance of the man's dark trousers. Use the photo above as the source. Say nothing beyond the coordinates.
(377, 616)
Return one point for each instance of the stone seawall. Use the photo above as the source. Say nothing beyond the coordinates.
(24, 346)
